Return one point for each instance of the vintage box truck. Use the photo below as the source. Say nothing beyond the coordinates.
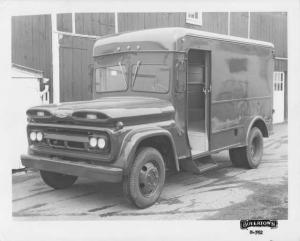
(162, 99)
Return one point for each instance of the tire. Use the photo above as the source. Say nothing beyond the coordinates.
(57, 180)
(146, 178)
(249, 156)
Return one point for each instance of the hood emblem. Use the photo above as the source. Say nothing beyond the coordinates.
(61, 113)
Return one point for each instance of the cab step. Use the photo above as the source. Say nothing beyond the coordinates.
(198, 166)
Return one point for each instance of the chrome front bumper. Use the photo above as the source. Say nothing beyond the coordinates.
(80, 169)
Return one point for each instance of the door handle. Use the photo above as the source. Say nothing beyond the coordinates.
(206, 90)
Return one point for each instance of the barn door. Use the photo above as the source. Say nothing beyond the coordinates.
(278, 96)
(75, 59)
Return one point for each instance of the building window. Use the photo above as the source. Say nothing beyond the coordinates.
(194, 18)
(278, 81)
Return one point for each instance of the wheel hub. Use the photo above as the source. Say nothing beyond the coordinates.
(148, 178)
(254, 148)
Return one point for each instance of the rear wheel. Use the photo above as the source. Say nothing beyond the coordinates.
(57, 180)
(146, 178)
(249, 156)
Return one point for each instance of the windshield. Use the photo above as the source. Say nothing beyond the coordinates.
(150, 78)
(111, 78)
(141, 72)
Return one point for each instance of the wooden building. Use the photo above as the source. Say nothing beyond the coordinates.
(60, 45)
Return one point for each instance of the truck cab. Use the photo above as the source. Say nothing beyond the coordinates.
(162, 99)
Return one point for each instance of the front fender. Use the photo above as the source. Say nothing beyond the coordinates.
(134, 138)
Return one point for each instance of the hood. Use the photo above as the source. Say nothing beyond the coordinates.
(109, 107)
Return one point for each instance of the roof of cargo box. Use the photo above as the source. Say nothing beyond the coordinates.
(159, 39)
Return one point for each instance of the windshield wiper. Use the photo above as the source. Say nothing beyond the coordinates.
(121, 67)
(136, 70)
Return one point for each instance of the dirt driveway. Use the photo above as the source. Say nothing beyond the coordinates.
(223, 193)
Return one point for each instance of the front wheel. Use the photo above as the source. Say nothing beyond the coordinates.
(146, 178)
(57, 180)
(249, 156)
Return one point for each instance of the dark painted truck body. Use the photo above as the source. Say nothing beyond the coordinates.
(171, 94)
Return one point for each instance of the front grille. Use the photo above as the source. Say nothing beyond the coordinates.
(56, 143)
(75, 145)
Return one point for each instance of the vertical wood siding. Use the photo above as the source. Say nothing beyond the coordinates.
(271, 27)
(95, 23)
(212, 22)
(32, 42)
(64, 22)
(215, 22)
(75, 76)
(280, 65)
(239, 24)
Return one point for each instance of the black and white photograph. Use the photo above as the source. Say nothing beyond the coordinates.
(141, 115)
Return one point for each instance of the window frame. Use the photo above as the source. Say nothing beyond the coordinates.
(278, 81)
(111, 91)
(132, 75)
(193, 20)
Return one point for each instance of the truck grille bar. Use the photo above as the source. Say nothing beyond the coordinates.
(67, 141)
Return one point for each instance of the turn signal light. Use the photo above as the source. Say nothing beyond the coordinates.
(91, 116)
(40, 113)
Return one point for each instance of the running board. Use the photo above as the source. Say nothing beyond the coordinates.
(198, 166)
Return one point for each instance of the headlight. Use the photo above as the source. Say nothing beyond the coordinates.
(101, 143)
(32, 136)
(39, 136)
(93, 142)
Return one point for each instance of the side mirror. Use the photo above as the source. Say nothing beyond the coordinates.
(180, 76)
